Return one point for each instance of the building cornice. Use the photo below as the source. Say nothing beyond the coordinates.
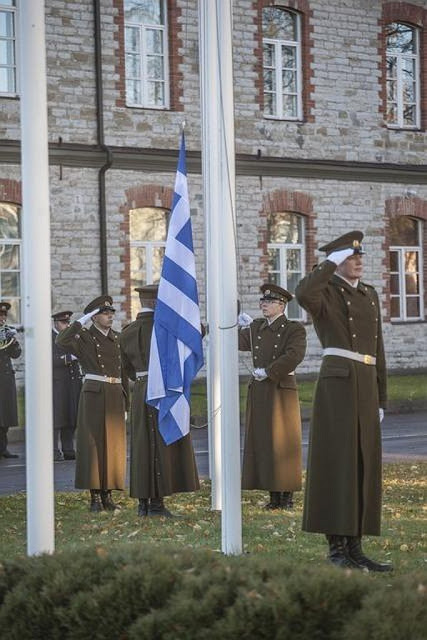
(164, 160)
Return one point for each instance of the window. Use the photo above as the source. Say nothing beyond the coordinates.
(286, 257)
(146, 53)
(8, 47)
(282, 64)
(148, 232)
(406, 269)
(10, 259)
(403, 73)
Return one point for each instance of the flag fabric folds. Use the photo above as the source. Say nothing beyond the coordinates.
(176, 353)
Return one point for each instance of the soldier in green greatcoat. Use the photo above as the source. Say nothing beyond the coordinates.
(156, 469)
(101, 431)
(343, 490)
(272, 449)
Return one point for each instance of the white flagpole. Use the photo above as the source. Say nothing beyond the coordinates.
(37, 280)
(219, 162)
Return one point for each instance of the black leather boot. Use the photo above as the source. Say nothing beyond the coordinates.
(286, 500)
(107, 501)
(338, 554)
(354, 550)
(142, 507)
(157, 508)
(274, 500)
(95, 501)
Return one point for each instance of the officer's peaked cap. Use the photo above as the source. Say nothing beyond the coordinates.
(271, 291)
(350, 240)
(103, 303)
(148, 292)
(62, 315)
(4, 306)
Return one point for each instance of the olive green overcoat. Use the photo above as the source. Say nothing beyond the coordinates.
(8, 402)
(272, 449)
(343, 490)
(101, 430)
(156, 470)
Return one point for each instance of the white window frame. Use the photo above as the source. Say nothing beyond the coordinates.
(283, 248)
(401, 57)
(277, 46)
(142, 29)
(403, 317)
(14, 242)
(15, 66)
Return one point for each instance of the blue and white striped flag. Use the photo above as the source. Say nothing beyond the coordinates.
(176, 353)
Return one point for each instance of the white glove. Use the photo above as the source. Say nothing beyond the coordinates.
(339, 256)
(381, 414)
(259, 374)
(244, 320)
(87, 316)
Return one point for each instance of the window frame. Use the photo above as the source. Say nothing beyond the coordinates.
(14, 10)
(403, 296)
(143, 55)
(14, 242)
(277, 45)
(400, 124)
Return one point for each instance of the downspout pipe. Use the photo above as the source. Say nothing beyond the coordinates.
(101, 143)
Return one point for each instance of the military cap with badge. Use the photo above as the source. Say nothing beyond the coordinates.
(271, 291)
(100, 304)
(148, 291)
(344, 247)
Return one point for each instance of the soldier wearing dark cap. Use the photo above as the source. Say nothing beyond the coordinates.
(101, 431)
(9, 350)
(272, 450)
(156, 470)
(66, 387)
(343, 492)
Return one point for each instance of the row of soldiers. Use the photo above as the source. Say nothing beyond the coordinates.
(343, 490)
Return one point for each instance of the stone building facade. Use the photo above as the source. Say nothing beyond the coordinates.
(343, 147)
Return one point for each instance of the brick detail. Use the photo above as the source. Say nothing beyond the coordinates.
(175, 58)
(396, 207)
(10, 191)
(283, 201)
(303, 8)
(417, 17)
(149, 195)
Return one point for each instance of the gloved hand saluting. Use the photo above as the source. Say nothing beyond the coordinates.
(259, 374)
(244, 320)
(87, 317)
(339, 256)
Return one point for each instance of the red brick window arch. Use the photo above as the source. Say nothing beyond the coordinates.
(284, 57)
(287, 241)
(407, 242)
(146, 219)
(403, 51)
(10, 247)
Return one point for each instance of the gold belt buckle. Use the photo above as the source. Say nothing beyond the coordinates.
(367, 359)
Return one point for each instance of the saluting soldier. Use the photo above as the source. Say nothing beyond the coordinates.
(272, 450)
(66, 387)
(156, 469)
(9, 350)
(101, 431)
(343, 492)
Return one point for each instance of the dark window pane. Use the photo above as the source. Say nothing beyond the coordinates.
(404, 231)
(10, 222)
(273, 259)
(400, 38)
(9, 256)
(412, 307)
(412, 283)
(395, 307)
(9, 284)
(279, 24)
(394, 284)
(409, 114)
(293, 311)
(394, 261)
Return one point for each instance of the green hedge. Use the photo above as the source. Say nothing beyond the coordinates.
(151, 593)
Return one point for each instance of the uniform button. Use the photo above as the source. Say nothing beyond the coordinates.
(373, 304)
(257, 347)
(354, 335)
(275, 346)
(348, 302)
(259, 337)
(342, 289)
(102, 366)
(350, 318)
(99, 355)
(278, 335)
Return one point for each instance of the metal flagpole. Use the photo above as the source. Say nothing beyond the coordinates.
(37, 280)
(218, 155)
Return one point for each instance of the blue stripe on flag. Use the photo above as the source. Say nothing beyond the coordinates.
(176, 353)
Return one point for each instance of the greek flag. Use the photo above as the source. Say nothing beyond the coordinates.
(176, 352)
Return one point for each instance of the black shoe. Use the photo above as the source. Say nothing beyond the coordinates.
(69, 455)
(157, 508)
(107, 501)
(286, 501)
(354, 550)
(6, 454)
(338, 554)
(143, 507)
(95, 501)
(274, 501)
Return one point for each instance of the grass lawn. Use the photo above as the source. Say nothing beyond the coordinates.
(403, 539)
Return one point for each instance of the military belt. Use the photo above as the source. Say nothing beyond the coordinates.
(351, 355)
(141, 374)
(109, 379)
